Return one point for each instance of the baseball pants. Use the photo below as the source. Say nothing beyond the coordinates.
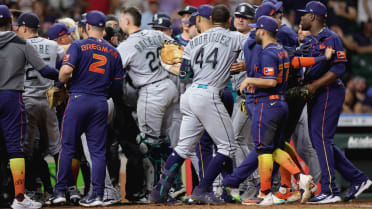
(323, 118)
(84, 114)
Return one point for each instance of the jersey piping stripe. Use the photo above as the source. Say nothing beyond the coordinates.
(224, 126)
(201, 158)
(20, 107)
(60, 138)
(325, 150)
(146, 109)
(119, 78)
(71, 65)
(259, 126)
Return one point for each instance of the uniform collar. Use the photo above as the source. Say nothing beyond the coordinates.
(324, 33)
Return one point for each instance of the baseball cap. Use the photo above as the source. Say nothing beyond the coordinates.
(315, 7)
(110, 17)
(4, 12)
(59, 29)
(161, 20)
(205, 11)
(29, 20)
(268, 9)
(245, 10)
(266, 23)
(191, 20)
(188, 10)
(96, 18)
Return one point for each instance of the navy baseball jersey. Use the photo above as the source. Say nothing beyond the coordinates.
(326, 38)
(288, 38)
(180, 40)
(96, 64)
(274, 64)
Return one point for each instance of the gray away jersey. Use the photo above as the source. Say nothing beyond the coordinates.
(140, 55)
(237, 79)
(212, 53)
(35, 84)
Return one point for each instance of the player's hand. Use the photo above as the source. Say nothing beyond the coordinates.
(329, 52)
(244, 85)
(237, 67)
(250, 89)
(311, 88)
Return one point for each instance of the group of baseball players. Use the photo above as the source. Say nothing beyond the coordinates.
(286, 87)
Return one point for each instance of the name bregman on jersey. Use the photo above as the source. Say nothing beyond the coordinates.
(210, 37)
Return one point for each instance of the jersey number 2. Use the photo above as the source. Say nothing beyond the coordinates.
(95, 66)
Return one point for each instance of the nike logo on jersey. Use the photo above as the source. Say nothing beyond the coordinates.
(272, 103)
(76, 96)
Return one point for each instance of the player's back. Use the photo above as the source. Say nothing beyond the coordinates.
(140, 56)
(35, 84)
(276, 55)
(95, 63)
(212, 53)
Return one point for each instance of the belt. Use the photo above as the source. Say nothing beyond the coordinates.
(202, 86)
(268, 98)
(152, 82)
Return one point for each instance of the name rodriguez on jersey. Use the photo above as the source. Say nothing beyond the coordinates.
(210, 37)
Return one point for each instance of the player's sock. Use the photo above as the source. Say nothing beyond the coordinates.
(265, 169)
(173, 159)
(285, 161)
(75, 166)
(285, 177)
(214, 168)
(292, 153)
(17, 167)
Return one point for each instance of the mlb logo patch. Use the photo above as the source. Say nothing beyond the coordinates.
(66, 58)
(341, 55)
(269, 71)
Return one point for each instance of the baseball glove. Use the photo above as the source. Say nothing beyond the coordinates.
(56, 96)
(299, 92)
(171, 53)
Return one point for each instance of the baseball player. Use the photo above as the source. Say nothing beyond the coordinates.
(324, 111)
(157, 93)
(16, 52)
(269, 83)
(244, 14)
(185, 36)
(94, 67)
(42, 123)
(201, 104)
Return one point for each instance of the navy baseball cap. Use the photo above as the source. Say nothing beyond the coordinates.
(4, 12)
(267, 23)
(268, 9)
(96, 18)
(188, 10)
(204, 10)
(191, 20)
(161, 20)
(315, 7)
(29, 20)
(245, 10)
(59, 29)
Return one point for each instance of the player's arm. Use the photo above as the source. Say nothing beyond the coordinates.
(298, 62)
(117, 82)
(69, 62)
(35, 60)
(186, 71)
(174, 69)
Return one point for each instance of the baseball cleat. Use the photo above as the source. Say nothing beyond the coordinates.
(356, 189)
(267, 200)
(93, 200)
(74, 195)
(296, 196)
(305, 184)
(57, 198)
(284, 193)
(323, 198)
(205, 197)
(254, 200)
(26, 203)
(233, 193)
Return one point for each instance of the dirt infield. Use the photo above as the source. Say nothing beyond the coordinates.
(354, 204)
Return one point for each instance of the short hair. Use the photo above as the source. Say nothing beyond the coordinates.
(220, 14)
(135, 13)
(321, 20)
(96, 28)
(271, 34)
(5, 22)
(33, 30)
